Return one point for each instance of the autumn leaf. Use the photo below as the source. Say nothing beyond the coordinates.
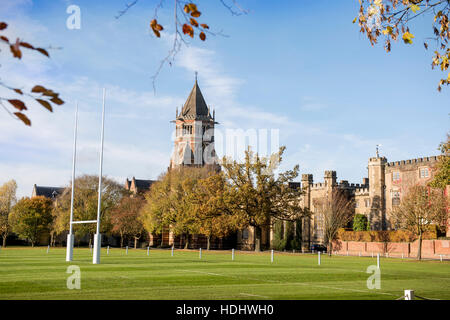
(192, 7)
(414, 8)
(23, 117)
(57, 101)
(3, 26)
(45, 104)
(407, 37)
(193, 22)
(18, 104)
(4, 39)
(202, 36)
(16, 51)
(18, 91)
(196, 14)
(43, 51)
(26, 45)
(187, 29)
(187, 9)
(38, 89)
(204, 26)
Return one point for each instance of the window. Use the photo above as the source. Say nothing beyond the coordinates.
(356, 204)
(423, 173)
(245, 234)
(318, 226)
(396, 176)
(187, 129)
(395, 198)
(367, 202)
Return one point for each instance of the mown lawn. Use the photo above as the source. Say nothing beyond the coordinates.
(27, 273)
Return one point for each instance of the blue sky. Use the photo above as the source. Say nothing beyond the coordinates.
(300, 67)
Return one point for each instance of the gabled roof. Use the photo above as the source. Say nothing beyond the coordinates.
(138, 185)
(195, 107)
(48, 192)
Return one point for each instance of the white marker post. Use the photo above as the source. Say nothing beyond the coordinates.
(200, 253)
(98, 236)
(409, 294)
(107, 250)
(172, 250)
(126, 252)
(271, 256)
(232, 254)
(378, 260)
(319, 258)
(48, 248)
(441, 257)
(70, 236)
(148, 251)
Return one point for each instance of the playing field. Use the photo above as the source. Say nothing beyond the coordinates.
(35, 274)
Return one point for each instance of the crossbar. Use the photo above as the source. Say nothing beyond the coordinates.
(85, 221)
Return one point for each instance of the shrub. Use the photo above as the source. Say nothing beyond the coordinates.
(360, 223)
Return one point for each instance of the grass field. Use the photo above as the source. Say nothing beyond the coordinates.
(34, 274)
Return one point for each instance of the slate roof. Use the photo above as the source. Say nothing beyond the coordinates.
(195, 107)
(48, 192)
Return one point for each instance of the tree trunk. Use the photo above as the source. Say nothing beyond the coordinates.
(419, 250)
(257, 239)
(330, 248)
(186, 245)
(135, 242)
(4, 240)
(208, 243)
(121, 241)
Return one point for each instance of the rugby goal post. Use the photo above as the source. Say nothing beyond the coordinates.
(97, 236)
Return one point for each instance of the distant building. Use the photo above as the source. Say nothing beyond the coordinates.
(48, 192)
(138, 186)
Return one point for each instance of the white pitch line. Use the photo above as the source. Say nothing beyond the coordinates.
(253, 295)
(292, 283)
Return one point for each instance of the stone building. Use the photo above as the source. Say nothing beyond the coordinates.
(375, 197)
(194, 137)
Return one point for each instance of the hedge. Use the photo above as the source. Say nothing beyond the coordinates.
(432, 233)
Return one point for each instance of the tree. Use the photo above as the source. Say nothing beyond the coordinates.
(420, 207)
(85, 205)
(125, 218)
(336, 211)
(169, 203)
(214, 216)
(7, 201)
(30, 218)
(392, 19)
(360, 223)
(442, 177)
(260, 197)
(45, 97)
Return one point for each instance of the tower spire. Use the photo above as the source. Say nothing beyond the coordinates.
(196, 74)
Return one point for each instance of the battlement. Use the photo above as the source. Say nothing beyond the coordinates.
(431, 159)
(361, 191)
(318, 185)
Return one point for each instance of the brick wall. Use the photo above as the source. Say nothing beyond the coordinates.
(430, 248)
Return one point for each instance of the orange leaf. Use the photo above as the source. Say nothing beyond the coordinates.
(187, 9)
(3, 25)
(45, 104)
(23, 117)
(38, 89)
(18, 104)
(159, 27)
(202, 36)
(204, 26)
(4, 39)
(16, 51)
(192, 7)
(18, 91)
(43, 51)
(156, 32)
(153, 23)
(193, 22)
(57, 101)
(26, 45)
(196, 14)
(187, 29)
